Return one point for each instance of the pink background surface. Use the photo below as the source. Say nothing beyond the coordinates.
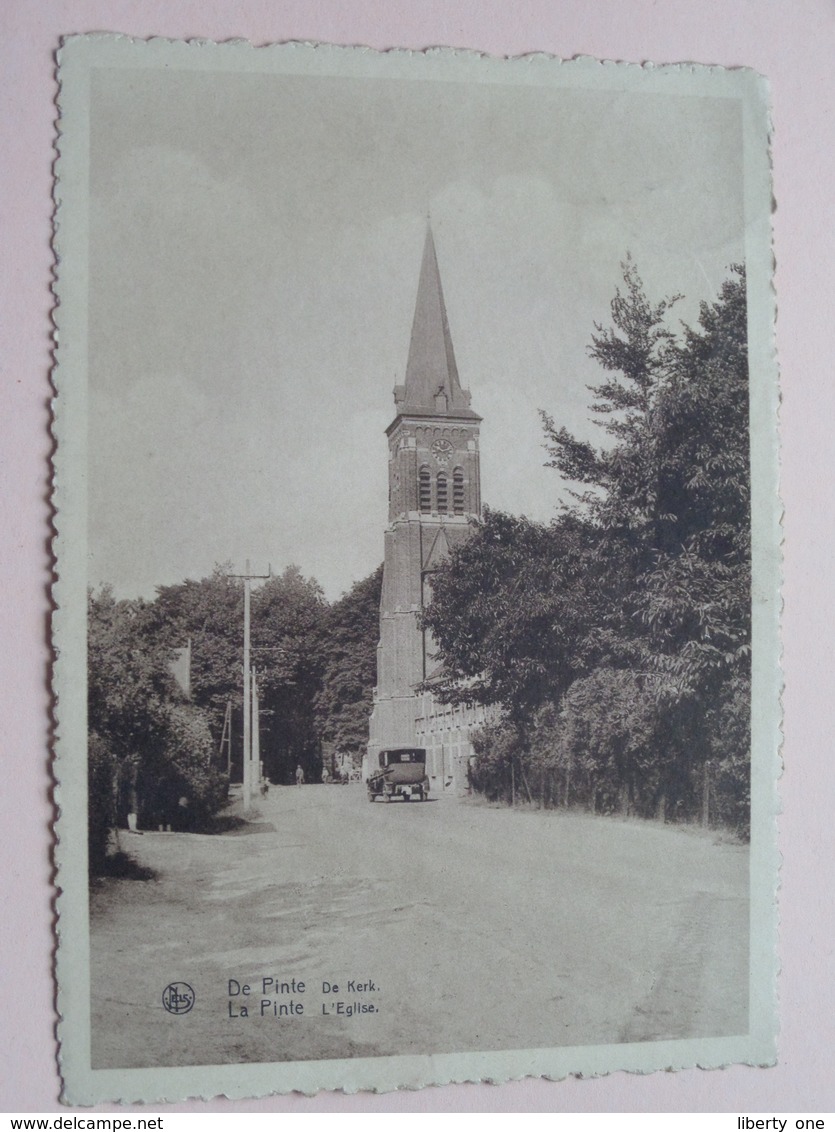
(791, 43)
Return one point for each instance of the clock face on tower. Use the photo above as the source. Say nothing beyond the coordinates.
(442, 450)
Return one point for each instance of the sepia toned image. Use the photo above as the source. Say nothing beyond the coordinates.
(417, 569)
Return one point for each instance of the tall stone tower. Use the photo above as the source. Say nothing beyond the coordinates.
(434, 489)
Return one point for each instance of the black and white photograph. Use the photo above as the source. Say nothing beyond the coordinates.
(417, 523)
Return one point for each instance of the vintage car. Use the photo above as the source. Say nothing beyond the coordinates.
(400, 773)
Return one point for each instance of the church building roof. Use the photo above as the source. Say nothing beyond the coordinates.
(432, 388)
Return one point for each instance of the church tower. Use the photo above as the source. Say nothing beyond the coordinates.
(434, 489)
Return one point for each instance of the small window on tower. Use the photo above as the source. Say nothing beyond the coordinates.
(443, 505)
(424, 489)
(458, 491)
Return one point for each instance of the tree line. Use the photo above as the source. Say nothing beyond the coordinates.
(158, 753)
(613, 643)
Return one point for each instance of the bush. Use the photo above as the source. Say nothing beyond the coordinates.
(102, 790)
(497, 747)
(609, 734)
(179, 785)
(730, 800)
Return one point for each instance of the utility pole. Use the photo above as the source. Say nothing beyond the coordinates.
(247, 700)
(248, 767)
(256, 734)
(226, 737)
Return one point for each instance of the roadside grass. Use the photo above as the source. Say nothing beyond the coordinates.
(124, 866)
(718, 835)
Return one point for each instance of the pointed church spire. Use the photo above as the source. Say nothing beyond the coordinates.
(432, 387)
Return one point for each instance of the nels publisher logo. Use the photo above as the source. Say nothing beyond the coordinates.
(178, 998)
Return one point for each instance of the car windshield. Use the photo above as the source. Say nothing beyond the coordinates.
(387, 758)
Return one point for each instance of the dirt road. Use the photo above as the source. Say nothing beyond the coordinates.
(464, 927)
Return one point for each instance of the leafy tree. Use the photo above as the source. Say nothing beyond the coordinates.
(498, 750)
(698, 602)
(285, 617)
(129, 683)
(129, 674)
(349, 645)
(608, 736)
(507, 611)
(103, 779)
(698, 595)
(622, 489)
(288, 613)
(148, 751)
(617, 640)
(210, 614)
(669, 502)
(315, 664)
(180, 783)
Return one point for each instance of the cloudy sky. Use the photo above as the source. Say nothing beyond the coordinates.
(255, 243)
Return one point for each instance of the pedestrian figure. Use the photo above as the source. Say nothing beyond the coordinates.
(299, 776)
(325, 776)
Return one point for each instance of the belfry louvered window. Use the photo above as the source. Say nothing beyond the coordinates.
(443, 504)
(458, 491)
(424, 489)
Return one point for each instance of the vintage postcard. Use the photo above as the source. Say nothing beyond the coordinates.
(416, 627)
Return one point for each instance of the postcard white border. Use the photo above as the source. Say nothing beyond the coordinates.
(86, 1086)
